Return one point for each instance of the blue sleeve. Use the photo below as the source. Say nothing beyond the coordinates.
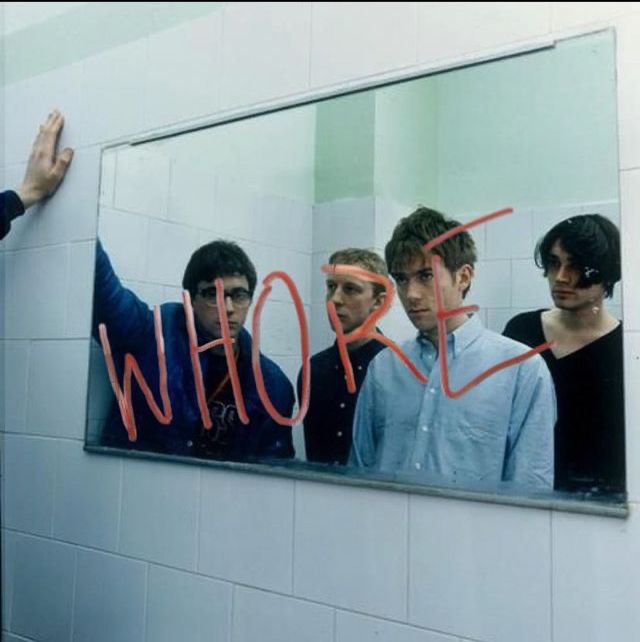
(529, 453)
(364, 445)
(129, 320)
(277, 440)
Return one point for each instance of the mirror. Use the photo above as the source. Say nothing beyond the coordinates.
(535, 132)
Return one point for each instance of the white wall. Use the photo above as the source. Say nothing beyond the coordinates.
(102, 548)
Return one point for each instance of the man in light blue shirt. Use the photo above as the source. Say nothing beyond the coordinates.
(499, 430)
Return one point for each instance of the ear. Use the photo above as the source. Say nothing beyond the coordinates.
(464, 276)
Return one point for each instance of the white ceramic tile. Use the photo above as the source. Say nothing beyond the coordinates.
(159, 519)
(628, 107)
(361, 537)
(108, 177)
(352, 626)
(29, 102)
(344, 223)
(42, 315)
(112, 84)
(249, 73)
(87, 497)
(20, 16)
(246, 529)
(529, 289)
(182, 73)
(491, 286)
(170, 248)
(182, 606)
(80, 289)
(497, 317)
(283, 222)
(509, 236)
(192, 194)
(16, 355)
(258, 615)
(449, 30)
(595, 588)
(468, 560)
(565, 15)
(125, 237)
(279, 330)
(384, 39)
(28, 475)
(68, 215)
(57, 384)
(142, 181)
(321, 335)
(43, 589)
(8, 578)
(109, 598)
(629, 233)
(632, 412)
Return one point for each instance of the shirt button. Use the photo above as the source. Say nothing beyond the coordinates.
(425, 428)
(359, 367)
(432, 391)
(339, 433)
(342, 404)
(418, 465)
(189, 444)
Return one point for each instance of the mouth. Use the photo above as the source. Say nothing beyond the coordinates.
(556, 292)
(419, 312)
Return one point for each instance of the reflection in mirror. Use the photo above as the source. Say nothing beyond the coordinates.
(284, 191)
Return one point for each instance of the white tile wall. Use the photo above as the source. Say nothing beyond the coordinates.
(629, 233)
(594, 587)
(29, 468)
(480, 571)
(159, 518)
(109, 598)
(124, 237)
(245, 532)
(8, 576)
(38, 614)
(170, 247)
(353, 626)
(87, 497)
(183, 606)
(385, 38)
(361, 537)
(258, 615)
(450, 30)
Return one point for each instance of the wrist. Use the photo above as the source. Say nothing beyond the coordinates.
(28, 196)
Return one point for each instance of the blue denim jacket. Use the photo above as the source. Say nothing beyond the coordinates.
(130, 328)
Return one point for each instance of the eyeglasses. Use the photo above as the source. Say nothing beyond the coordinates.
(240, 297)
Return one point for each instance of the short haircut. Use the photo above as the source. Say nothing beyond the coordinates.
(422, 226)
(218, 259)
(593, 243)
(365, 259)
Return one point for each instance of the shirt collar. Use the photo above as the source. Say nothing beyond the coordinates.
(461, 337)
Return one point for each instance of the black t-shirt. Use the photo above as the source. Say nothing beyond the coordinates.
(589, 434)
(328, 425)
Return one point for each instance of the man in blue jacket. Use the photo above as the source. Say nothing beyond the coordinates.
(130, 327)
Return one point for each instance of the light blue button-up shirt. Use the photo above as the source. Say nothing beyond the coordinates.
(500, 430)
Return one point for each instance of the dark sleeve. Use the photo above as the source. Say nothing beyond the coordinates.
(10, 207)
(277, 440)
(128, 320)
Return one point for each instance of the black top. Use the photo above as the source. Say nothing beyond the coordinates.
(328, 425)
(10, 207)
(589, 435)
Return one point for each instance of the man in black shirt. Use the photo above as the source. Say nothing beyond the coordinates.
(45, 171)
(328, 423)
(581, 260)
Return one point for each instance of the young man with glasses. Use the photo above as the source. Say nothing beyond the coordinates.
(499, 430)
(130, 326)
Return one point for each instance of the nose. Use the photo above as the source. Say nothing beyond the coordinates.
(413, 291)
(563, 275)
(228, 304)
(336, 296)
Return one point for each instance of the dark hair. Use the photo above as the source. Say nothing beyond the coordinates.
(593, 243)
(218, 259)
(365, 259)
(425, 224)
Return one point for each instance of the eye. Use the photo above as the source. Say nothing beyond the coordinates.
(425, 276)
(400, 279)
(331, 287)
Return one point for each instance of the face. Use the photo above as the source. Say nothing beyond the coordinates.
(563, 278)
(416, 289)
(354, 300)
(237, 304)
